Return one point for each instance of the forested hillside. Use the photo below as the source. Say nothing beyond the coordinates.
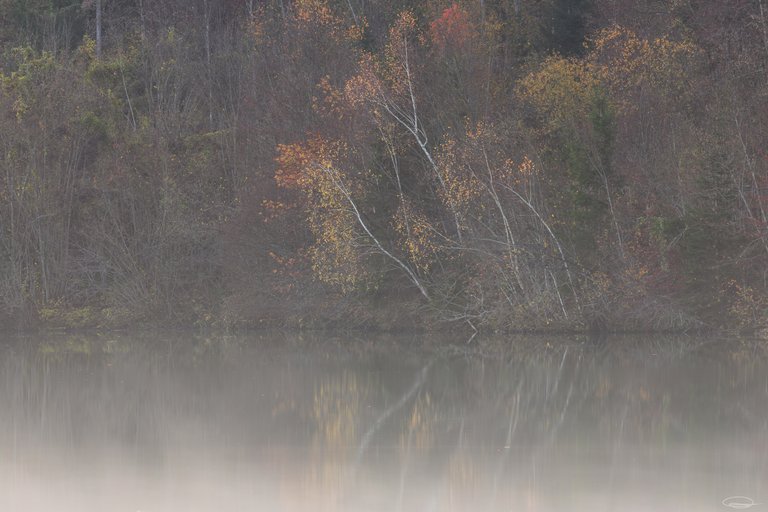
(500, 164)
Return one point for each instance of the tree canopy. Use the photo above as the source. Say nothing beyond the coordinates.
(504, 164)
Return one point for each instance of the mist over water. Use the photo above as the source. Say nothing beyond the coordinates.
(279, 423)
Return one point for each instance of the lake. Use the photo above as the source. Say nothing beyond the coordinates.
(281, 422)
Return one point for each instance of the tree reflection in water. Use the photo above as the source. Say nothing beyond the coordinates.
(290, 423)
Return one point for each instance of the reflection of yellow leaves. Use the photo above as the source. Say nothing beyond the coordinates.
(463, 470)
(741, 356)
(419, 433)
(283, 407)
(644, 394)
(603, 387)
(336, 410)
(336, 407)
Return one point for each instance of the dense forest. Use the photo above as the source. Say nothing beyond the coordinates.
(499, 164)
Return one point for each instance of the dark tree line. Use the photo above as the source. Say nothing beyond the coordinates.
(507, 164)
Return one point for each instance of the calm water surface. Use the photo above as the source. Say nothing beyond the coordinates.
(288, 423)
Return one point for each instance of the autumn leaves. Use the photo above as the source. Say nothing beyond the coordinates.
(448, 209)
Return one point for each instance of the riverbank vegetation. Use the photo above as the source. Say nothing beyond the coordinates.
(502, 164)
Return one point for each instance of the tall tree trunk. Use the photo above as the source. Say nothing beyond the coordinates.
(98, 28)
(207, 7)
(143, 20)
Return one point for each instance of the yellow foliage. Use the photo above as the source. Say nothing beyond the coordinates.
(562, 90)
(365, 86)
(317, 13)
(256, 29)
(315, 168)
(619, 61)
(462, 188)
(622, 61)
(748, 306)
(399, 60)
(32, 69)
(417, 236)
(88, 48)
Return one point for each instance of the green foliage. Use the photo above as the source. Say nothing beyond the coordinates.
(589, 164)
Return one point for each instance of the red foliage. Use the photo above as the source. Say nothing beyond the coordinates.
(453, 29)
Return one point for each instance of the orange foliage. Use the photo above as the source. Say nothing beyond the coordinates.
(453, 29)
(365, 86)
(298, 163)
(316, 168)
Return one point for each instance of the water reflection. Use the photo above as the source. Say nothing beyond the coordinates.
(279, 423)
